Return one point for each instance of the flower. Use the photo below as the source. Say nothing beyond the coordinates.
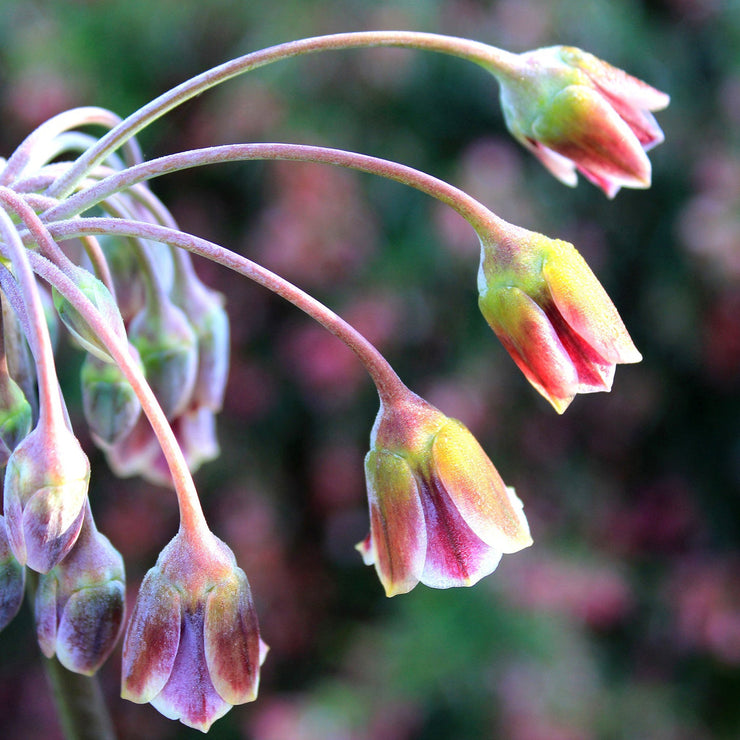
(80, 603)
(192, 647)
(439, 511)
(552, 315)
(45, 492)
(576, 112)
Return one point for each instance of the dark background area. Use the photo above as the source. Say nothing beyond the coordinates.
(623, 620)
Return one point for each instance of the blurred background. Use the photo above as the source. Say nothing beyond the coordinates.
(623, 620)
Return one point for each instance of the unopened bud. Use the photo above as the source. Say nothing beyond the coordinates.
(169, 352)
(45, 491)
(80, 603)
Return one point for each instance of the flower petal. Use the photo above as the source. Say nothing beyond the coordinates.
(581, 125)
(529, 337)
(189, 694)
(152, 639)
(232, 644)
(89, 627)
(398, 540)
(456, 556)
(477, 491)
(585, 305)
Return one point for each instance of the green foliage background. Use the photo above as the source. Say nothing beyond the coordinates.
(623, 620)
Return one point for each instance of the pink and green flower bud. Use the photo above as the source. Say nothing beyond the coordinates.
(109, 403)
(80, 603)
(578, 113)
(12, 579)
(45, 492)
(168, 349)
(15, 416)
(205, 310)
(552, 315)
(103, 301)
(192, 647)
(440, 514)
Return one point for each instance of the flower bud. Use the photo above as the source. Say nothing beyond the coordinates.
(103, 301)
(439, 511)
(576, 112)
(552, 315)
(12, 579)
(80, 603)
(205, 311)
(110, 405)
(192, 646)
(45, 491)
(169, 352)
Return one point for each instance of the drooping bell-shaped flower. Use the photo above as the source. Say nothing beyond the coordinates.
(12, 579)
(192, 647)
(80, 602)
(45, 491)
(578, 113)
(439, 512)
(552, 315)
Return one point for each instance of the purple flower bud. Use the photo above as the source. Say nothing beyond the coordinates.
(80, 603)
(45, 491)
(192, 647)
(110, 405)
(168, 349)
(12, 579)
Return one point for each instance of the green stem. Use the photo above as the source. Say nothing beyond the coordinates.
(493, 59)
(79, 702)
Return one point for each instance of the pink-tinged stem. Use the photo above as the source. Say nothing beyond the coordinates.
(387, 382)
(477, 215)
(57, 125)
(488, 56)
(51, 411)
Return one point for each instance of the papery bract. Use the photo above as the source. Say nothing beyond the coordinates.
(45, 491)
(576, 112)
(552, 315)
(192, 647)
(80, 603)
(439, 512)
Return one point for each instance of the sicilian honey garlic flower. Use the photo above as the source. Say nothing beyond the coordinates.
(575, 112)
(80, 603)
(192, 647)
(439, 512)
(45, 491)
(552, 315)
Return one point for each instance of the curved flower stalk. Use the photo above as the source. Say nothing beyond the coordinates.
(439, 511)
(192, 646)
